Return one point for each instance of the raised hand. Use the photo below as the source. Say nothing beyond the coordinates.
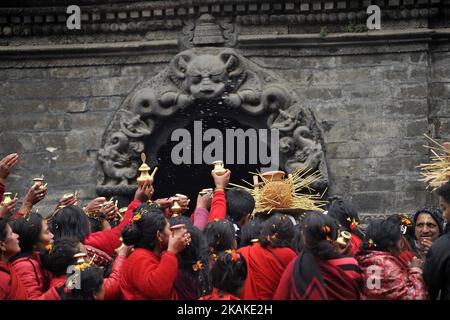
(6, 210)
(35, 194)
(7, 164)
(222, 181)
(95, 205)
(145, 192)
(68, 201)
(204, 201)
(178, 239)
(416, 263)
(164, 202)
(110, 211)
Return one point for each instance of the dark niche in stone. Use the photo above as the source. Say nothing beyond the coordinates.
(188, 179)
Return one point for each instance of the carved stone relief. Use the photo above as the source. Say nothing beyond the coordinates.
(195, 76)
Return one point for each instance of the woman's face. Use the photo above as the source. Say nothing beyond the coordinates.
(163, 237)
(46, 237)
(10, 247)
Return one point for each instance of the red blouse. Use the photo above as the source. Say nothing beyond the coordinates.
(148, 276)
(109, 240)
(11, 288)
(265, 266)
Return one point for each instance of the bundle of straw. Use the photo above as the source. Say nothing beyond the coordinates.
(286, 194)
(437, 172)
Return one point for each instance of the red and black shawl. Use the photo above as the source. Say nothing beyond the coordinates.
(311, 278)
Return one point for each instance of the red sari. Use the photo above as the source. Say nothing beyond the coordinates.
(11, 288)
(356, 244)
(265, 266)
(148, 276)
(309, 278)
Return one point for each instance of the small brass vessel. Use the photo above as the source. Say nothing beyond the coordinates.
(183, 197)
(344, 238)
(206, 191)
(145, 169)
(7, 198)
(176, 208)
(219, 168)
(39, 181)
(80, 257)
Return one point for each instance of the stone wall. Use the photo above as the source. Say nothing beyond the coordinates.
(375, 95)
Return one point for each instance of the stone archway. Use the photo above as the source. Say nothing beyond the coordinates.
(206, 79)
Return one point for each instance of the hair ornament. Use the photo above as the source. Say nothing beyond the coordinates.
(353, 223)
(234, 255)
(137, 217)
(197, 266)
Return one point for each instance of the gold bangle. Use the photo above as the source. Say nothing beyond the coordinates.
(218, 190)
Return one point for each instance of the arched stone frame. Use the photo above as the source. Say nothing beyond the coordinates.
(207, 76)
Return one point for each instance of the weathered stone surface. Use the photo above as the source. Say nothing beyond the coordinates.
(67, 105)
(114, 85)
(104, 103)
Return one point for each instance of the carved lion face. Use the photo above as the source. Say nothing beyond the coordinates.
(205, 76)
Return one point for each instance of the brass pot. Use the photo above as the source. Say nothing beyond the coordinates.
(7, 198)
(219, 168)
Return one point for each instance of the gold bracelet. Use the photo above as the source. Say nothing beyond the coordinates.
(218, 190)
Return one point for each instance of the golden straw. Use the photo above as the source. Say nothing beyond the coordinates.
(437, 172)
(293, 196)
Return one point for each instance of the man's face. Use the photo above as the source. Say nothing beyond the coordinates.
(445, 209)
(426, 228)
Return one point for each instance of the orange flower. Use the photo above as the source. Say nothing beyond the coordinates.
(326, 229)
(137, 217)
(353, 223)
(49, 247)
(406, 222)
(234, 255)
(197, 266)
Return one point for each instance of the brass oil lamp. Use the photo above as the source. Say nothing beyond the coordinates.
(145, 169)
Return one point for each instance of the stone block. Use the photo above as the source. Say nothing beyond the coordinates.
(114, 85)
(104, 103)
(67, 105)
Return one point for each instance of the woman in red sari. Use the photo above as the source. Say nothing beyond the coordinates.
(320, 272)
(267, 259)
(151, 270)
(390, 277)
(62, 255)
(11, 288)
(34, 235)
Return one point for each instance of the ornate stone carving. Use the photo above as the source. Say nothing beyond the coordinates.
(207, 32)
(200, 76)
(113, 21)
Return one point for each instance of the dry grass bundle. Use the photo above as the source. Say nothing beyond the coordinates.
(437, 172)
(286, 194)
